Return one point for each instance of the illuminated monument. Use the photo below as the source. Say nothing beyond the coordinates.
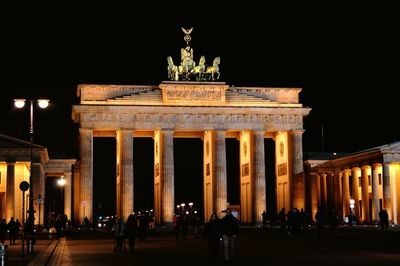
(193, 104)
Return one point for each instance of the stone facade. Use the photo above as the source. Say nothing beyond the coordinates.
(212, 111)
(368, 177)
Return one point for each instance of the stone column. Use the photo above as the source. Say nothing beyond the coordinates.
(259, 175)
(387, 198)
(329, 191)
(10, 191)
(77, 192)
(221, 181)
(86, 150)
(324, 195)
(67, 194)
(125, 164)
(298, 172)
(346, 193)
(375, 193)
(336, 193)
(38, 176)
(365, 193)
(167, 188)
(355, 191)
(318, 181)
(314, 195)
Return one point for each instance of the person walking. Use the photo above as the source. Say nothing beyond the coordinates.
(229, 228)
(320, 221)
(12, 231)
(131, 231)
(119, 229)
(212, 233)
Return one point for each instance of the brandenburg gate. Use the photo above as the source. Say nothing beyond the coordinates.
(203, 108)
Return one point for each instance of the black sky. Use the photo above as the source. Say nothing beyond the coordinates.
(345, 57)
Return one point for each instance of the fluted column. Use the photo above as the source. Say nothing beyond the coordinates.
(68, 194)
(346, 193)
(298, 172)
(318, 183)
(324, 197)
(221, 181)
(387, 195)
(375, 193)
(329, 190)
(259, 175)
(314, 194)
(365, 193)
(355, 173)
(168, 199)
(86, 150)
(38, 176)
(125, 159)
(336, 193)
(10, 191)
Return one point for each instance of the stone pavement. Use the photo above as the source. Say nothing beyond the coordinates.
(255, 246)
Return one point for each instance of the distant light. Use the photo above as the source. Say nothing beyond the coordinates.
(99, 224)
(62, 181)
(19, 103)
(334, 153)
(43, 103)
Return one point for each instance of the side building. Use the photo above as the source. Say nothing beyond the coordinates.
(370, 177)
(15, 158)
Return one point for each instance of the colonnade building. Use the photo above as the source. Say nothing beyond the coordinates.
(15, 167)
(211, 111)
(371, 178)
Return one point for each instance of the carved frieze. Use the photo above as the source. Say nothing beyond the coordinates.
(193, 94)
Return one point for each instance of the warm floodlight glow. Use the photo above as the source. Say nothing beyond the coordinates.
(19, 103)
(183, 205)
(61, 181)
(43, 103)
(190, 204)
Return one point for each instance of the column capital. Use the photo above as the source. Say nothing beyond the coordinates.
(297, 131)
(346, 171)
(365, 167)
(376, 165)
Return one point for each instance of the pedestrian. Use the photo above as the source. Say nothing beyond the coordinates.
(119, 229)
(131, 231)
(384, 219)
(320, 221)
(212, 233)
(3, 231)
(11, 227)
(229, 228)
(264, 219)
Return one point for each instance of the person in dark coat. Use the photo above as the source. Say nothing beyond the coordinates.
(12, 231)
(212, 233)
(229, 228)
(3, 231)
(131, 231)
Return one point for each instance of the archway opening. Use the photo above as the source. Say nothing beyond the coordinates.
(233, 170)
(54, 201)
(188, 172)
(270, 178)
(104, 177)
(143, 169)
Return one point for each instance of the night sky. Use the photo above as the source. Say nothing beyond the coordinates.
(345, 57)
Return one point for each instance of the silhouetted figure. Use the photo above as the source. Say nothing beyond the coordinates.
(12, 231)
(213, 234)
(119, 229)
(131, 231)
(384, 219)
(320, 221)
(264, 219)
(3, 231)
(229, 228)
(282, 219)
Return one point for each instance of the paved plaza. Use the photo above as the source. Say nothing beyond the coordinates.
(255, 246)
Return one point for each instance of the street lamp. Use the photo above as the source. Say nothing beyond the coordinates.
(20, 103)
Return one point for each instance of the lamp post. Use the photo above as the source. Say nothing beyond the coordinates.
(20, 103)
